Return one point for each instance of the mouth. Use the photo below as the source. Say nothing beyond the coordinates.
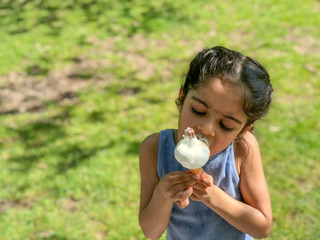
(201, 138)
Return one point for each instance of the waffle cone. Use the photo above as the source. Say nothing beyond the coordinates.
(196, 171)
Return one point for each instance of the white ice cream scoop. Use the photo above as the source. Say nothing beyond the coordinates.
(191, 152)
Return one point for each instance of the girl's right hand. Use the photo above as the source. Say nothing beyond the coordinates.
(177, 187)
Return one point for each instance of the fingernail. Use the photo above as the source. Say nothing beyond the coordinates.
(196, 176)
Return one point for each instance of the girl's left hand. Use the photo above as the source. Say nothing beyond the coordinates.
(203, 187)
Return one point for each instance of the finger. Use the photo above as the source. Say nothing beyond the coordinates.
(197, 192)
(199, 187)
(194, 197)
(183, 194)
(171, 190)
(206, 180)
(178, 177)
(200, 192)
(182, 204)
(181, 172)
(178, 202)
(197, 176)
(182, 186)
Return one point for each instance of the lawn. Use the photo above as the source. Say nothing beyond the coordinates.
(82, 83)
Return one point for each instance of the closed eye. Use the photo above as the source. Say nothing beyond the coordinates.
(224, 127)
(197, 112)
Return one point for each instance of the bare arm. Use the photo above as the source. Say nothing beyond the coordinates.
(157, 197)
(254, 216)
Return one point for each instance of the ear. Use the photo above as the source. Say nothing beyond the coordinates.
(180, 92)
(248, 128)
(179, 99)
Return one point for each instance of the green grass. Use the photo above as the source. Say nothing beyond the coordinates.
(69, 170)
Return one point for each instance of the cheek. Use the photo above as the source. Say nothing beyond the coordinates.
(186, 119)
(220, 143)
(189, 122)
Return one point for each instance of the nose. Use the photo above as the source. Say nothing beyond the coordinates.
(206, 128)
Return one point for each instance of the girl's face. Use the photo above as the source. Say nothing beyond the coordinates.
(215, 112)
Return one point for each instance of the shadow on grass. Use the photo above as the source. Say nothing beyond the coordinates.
(35, 138)
(39, 139)
(51, 236)
(73, 156)
(133, 148)
(52, 15)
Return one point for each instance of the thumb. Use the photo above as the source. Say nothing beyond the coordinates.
(182, 204)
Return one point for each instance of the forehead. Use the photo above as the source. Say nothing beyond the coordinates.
(220, 97)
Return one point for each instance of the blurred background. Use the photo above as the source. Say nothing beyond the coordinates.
(83, 82)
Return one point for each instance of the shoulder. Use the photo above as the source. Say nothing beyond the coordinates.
(148, 153)
(150, 144)
(246, 151)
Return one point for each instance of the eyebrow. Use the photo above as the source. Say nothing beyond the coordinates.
(200, 101)
(225, 116)
(232, 118)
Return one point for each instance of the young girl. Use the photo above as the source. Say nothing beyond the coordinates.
(223, 95)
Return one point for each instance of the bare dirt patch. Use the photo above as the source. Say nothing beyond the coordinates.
(18, 204)
(304, 43)
(22, 92)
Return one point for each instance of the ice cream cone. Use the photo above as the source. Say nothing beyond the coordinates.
(192, 151)
(196, 171)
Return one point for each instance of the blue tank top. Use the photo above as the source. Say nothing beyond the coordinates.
(197, 221)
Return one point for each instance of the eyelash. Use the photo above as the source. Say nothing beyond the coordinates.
(223, 127)
(197, 112)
